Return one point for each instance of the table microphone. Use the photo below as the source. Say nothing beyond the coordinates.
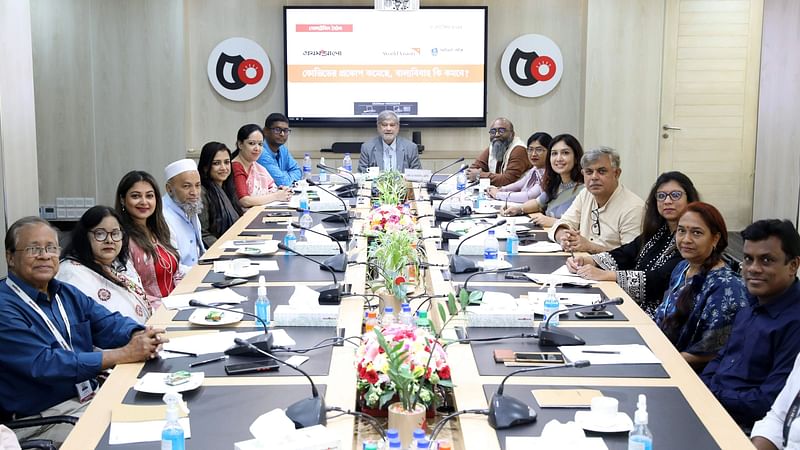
(262, 341)
(342, 234)
(433, 195)
(444, 216)
(447, 234)
(304, 413)
(328, 295)
(503, 270)
(341, 216)
(348, 190)
(557, 336)
(338, 263)
(431, 186)
(507, 412)
(462, 264)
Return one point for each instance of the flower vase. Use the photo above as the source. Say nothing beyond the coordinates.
(405, 422)
(389, 299)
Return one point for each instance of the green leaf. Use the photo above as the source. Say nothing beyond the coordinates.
(475, 297)
(446, 383)
(463, 298)
(451, 305)
(385, 397)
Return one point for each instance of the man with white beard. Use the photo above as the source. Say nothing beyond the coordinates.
(182, 204)
(505, 160)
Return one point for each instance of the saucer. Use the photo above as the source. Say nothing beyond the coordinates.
(247, 272)
(200, 317)
(153, 383)
(485, 210)
(267, 248)
(619, 424)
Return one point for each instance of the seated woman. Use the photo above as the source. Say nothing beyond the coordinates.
(254, 185)
(563, 180)
(530, 185)
(96, 261)
(155, 259)
(704, 295)
(643, 266)
(220, 204)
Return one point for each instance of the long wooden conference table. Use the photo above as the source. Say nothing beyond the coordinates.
(682, 412)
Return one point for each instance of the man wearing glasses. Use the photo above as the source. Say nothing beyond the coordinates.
(51, 334)
(276, 157)
(388, 151)
(603, 216)
(506, 158)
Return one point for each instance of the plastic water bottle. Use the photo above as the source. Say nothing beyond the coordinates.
(372, 320)
(307, 166)
(423, 444)
(640, 438)
(306, 222)
(303, 200)
(172, 437)
(290, 239)
(479, 199)
(392, 433)
(423, 322)
(323, 174)
(419, 435)
(262, 301)
(406, 317)
(491, 248)
(551, 305)
(461, 184)
(347, 163)
(395, 443)
(512, 241)
(370, 445)
(388, 317)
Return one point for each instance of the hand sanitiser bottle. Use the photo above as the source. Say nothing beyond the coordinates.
(640, 437)
(172, 437)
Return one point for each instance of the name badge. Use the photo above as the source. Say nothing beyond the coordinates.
(85, 391)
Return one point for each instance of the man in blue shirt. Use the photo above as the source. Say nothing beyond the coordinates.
(49, 331)
(752, 368)
(275, 157)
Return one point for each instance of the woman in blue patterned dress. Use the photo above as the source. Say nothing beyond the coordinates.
(704, 295)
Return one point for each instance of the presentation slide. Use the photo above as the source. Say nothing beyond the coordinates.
(345, 64)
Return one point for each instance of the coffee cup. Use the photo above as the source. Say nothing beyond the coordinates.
(239, 265)
(604, 410)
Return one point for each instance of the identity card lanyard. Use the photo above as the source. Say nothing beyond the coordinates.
(27, 299)
(791, 414)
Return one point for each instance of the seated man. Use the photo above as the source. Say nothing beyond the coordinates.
(387, 150)
(276, 157)
(752, 368)
(182, 206)
(769, 433)
(605, 214)
(50, 333)
(505, 160)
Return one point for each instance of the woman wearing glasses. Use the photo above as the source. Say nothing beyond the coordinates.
(562, 182)
(96, 261)
(530, 185)
(704, 294)
(643, 266)
(254, 185)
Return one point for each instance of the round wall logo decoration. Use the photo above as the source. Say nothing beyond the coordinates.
(532, 65)
(239, 69)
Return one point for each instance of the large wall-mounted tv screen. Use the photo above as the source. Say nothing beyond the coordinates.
(343, 66)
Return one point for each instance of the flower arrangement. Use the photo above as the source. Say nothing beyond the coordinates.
(391, 187)
(391, 362)
(394, 257)
(390, 218)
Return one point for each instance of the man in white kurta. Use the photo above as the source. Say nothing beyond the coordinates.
(182, 203)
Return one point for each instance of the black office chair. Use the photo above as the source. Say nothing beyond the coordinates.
(733, 262)
(42, 444)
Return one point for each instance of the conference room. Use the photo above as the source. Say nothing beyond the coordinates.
(95, 90)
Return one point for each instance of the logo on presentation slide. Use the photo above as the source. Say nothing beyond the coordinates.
(239, 69)
(322, 53)
(532, 65)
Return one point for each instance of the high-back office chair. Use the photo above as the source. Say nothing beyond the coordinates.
(42, 444)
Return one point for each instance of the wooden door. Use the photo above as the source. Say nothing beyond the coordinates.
(709, 102)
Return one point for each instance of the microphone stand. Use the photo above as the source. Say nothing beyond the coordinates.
(304, 413)
(557, 336)
(328, 295)
(433, 195)
(341, 216)
(507, 412)
(447, 234)
(431, 186)
(484, 272)
(462, 264)
(337, 263)
(348, 190)
(261, 342)
(444, 216)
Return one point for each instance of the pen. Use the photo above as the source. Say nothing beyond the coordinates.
(600, 352)
(178, 352)
(208, 361)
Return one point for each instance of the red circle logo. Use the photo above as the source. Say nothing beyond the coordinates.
(543, 68)
(250, 71)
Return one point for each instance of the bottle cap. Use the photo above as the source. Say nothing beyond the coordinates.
(491, 232)
(372, 314)
(388, 310)
(419, 433)
(405, 307)
(392, 433)
(423, 314)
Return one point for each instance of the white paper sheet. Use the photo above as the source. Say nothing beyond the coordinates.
(546, 278)
(280, 338)
(202, 343)
(181, 301)
(149, 431)
(314, 237)
(539, 443)
(268, 265)
(236, 244)
(565, 298)
(540, 247)
(617, 354)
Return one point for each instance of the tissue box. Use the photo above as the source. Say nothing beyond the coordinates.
(316, 316)
(324, 205)
(484, 317)
(312, 438)
(473, 247)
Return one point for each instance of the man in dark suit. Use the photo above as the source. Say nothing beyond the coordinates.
(388, 151)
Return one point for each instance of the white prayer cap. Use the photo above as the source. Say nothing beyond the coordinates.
(179, 166)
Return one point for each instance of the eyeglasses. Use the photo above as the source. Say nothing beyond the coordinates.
(596, 221)
(278, 130)
(100, 235)
(674, 195)
(34, 251)
(494, 131)
(538, 150)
